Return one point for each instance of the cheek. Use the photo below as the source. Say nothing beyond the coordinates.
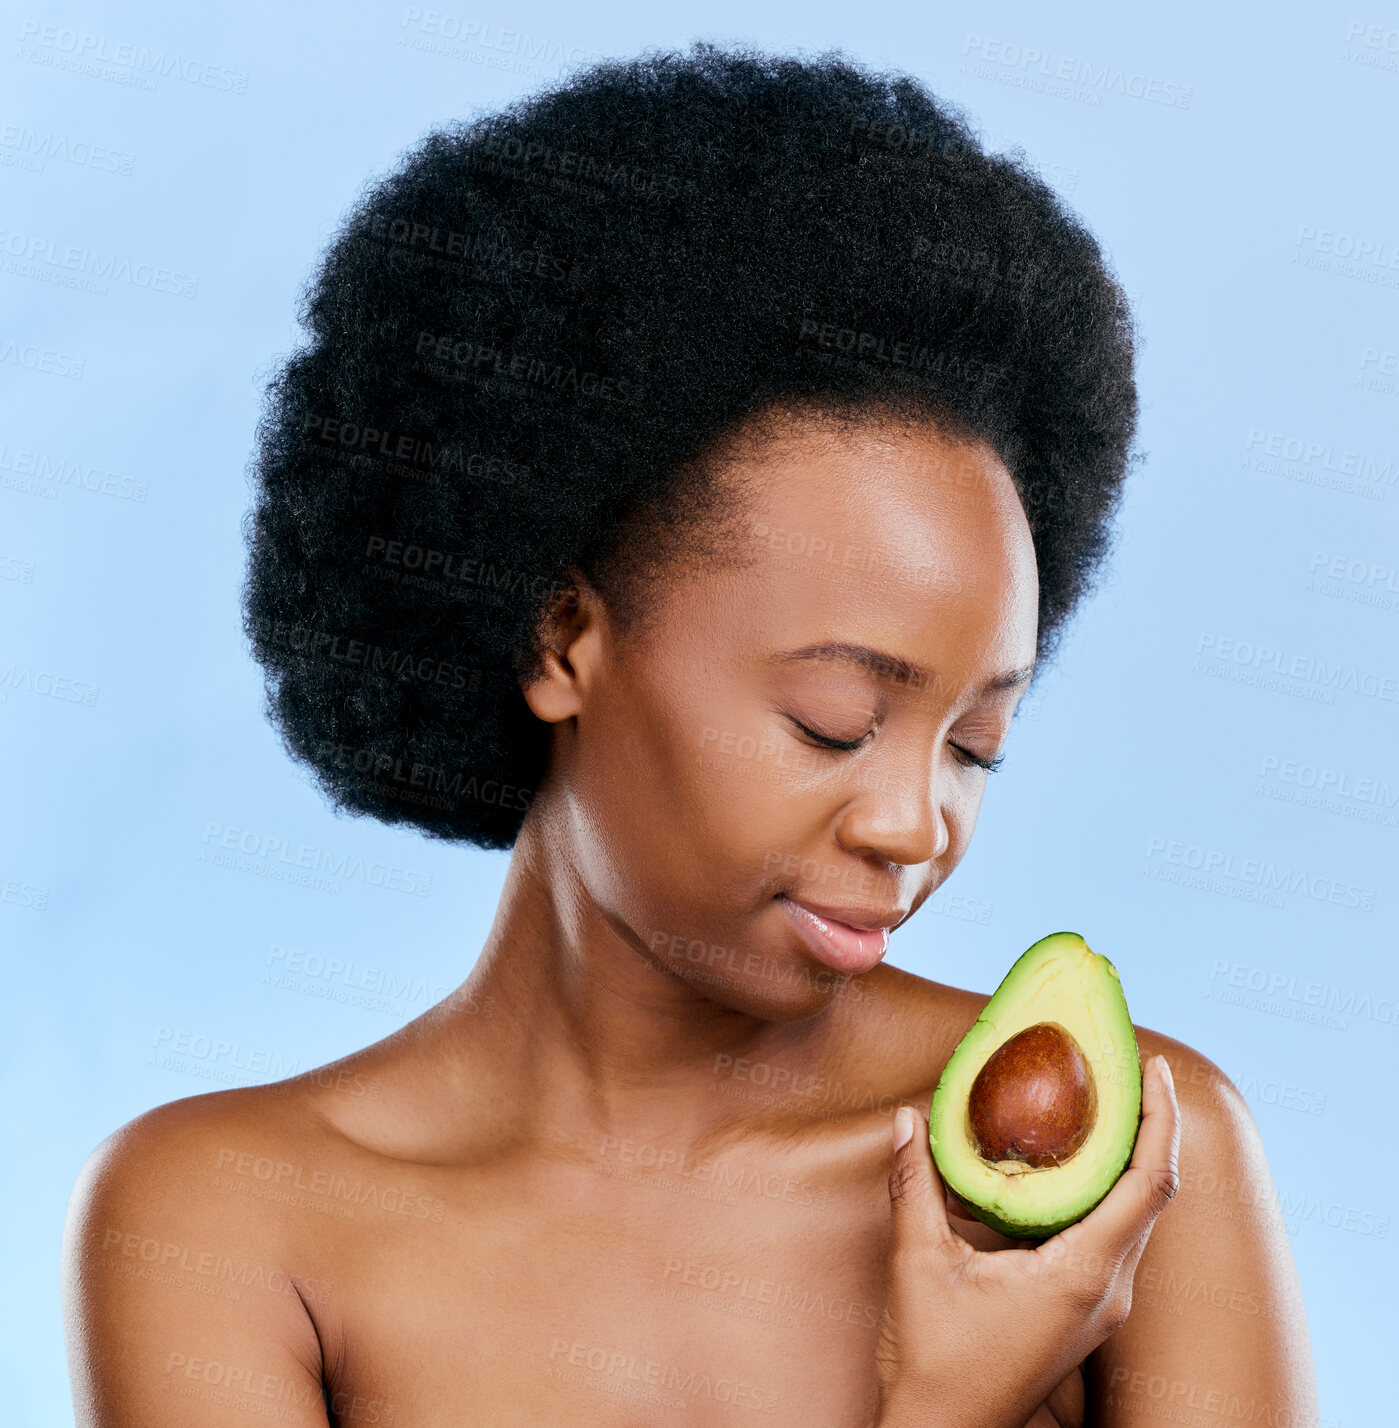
(731, 794)
(672, 800)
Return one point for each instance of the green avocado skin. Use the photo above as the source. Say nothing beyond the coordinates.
(1017, 1231)
(1110, 1165)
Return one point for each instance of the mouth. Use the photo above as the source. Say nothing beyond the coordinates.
(843, 945)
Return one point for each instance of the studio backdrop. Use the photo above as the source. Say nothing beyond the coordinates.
(1205, 784)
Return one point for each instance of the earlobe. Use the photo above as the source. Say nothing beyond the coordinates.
(566, 622)
(553, 695)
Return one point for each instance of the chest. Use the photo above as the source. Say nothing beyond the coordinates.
(598, 1298)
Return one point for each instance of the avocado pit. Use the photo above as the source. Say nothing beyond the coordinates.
(1032, 1104)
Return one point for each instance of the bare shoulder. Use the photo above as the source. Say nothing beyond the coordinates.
(173, 1159)
(240, 1159)
(213, 1243)
(172, 1267)
(165, 1154)
(1216, 1285)
(1223, 1166)
(1208, 1098)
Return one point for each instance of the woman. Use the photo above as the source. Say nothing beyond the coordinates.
(687, 471)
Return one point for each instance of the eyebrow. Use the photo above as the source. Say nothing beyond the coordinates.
(892, 668)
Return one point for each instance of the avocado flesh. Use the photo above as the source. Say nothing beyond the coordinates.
(1059, 980)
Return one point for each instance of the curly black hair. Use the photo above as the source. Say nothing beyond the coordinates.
(526, 340)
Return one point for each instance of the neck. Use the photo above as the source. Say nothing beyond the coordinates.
(585, 1033)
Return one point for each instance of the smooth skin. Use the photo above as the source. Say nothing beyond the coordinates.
(642, 1162)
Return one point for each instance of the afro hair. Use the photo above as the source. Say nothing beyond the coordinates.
(528, 337)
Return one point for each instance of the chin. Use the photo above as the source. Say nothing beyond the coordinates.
(781, 982)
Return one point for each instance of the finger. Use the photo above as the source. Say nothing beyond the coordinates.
(1148, 1184)
(916, 1192)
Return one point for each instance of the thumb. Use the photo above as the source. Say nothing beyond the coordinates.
(916, 1193)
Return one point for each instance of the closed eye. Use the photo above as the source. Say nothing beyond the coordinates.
(845, 746)
(970, 759)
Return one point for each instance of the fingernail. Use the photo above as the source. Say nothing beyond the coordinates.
(1163, 1071)
(903, 1127)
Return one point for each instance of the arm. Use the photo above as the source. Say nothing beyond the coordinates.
(1217, 1331)
(180, 1310)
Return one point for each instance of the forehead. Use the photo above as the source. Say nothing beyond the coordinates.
(880, 532)
(912, 496)
(885, 536)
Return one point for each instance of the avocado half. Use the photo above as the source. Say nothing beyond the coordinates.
(1062, 985)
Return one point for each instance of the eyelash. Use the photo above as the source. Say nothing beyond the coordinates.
(990, 765)
(847, 746)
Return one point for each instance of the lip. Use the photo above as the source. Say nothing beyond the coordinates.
(853, 946)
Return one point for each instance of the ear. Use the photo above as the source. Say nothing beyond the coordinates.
(571, 629)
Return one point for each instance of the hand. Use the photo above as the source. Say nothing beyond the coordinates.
(974, 1338)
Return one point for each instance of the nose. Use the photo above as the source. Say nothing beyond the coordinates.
(896, 815)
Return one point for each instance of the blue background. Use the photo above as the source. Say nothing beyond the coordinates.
(1238, 167)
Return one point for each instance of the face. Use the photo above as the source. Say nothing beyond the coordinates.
(800, 737)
